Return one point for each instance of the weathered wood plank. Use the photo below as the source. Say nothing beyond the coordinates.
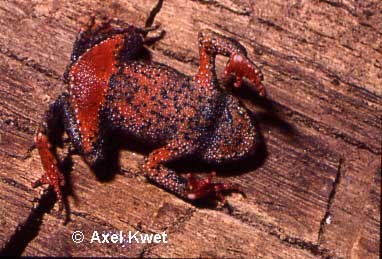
(323, 75)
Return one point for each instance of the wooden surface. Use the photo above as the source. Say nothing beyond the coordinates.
(316, 189)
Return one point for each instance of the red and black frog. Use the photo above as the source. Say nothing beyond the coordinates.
(111, 88)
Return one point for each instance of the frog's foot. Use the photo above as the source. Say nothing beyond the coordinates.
(241, 67)
(52, 175)
(204, 188)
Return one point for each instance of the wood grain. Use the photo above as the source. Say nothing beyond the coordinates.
(313, 190)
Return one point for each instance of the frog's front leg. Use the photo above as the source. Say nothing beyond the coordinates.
(212, 44)
(189, 188)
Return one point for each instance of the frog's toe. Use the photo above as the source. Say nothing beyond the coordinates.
(204, 188)
(242, 67)
(55, 184)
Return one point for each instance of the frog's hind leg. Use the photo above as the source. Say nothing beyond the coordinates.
(212, 44)
(188, 188)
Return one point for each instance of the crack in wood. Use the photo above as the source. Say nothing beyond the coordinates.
(329, 73)
(13, 155)
(180, 221)
(340, 5)
(331, 198)
(271, 24)
(25, 128)
(30, 63)
(314, 249)
(319, 127)
(15, 184)
(243, 12)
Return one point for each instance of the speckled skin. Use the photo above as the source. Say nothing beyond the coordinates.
(110, 88)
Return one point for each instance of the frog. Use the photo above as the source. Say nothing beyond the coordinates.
(112, 88)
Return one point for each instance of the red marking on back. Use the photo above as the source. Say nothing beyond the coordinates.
(89, 79)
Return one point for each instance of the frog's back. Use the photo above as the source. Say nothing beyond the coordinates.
(152, 101)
